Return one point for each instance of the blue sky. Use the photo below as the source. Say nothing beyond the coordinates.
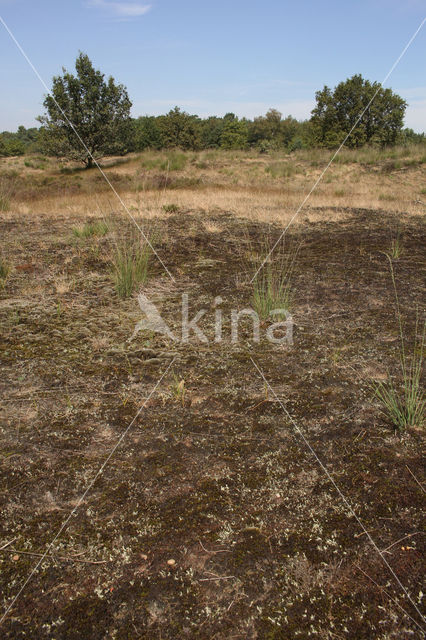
(213, 56)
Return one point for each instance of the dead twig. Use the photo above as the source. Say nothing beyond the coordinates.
(421, 487)
(7, 544)
(410, 535)
(41, 555)
(218, 578)
(213, 552)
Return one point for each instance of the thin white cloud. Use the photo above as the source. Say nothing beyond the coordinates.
(121, 9)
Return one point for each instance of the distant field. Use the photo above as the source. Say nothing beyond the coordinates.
(264, 187)
(212, 519)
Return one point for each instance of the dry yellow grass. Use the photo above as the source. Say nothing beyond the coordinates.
(259, 187)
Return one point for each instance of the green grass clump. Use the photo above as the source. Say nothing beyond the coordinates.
(271, 291)
(90, 229)
(130, 265)
(387, 197)
(282, 169)
(170, 208)
(272, 288)
(35, 163)
(173, 161)
(396, 247)
(403, 403)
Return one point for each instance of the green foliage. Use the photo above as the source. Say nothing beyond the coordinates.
(178, 129)
(211, 132)
(271, 132)
(146, 134)
(10, 146)
(235, 133)
(98, 109)
(336, 112)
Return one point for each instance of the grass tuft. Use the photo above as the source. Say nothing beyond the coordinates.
(90, 229)
(404, 403)
(4, 272)
(4, 202)
(130, 265)
(272, 287)
(396, 248)
(170, 208)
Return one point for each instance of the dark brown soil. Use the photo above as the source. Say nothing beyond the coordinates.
(217, 480)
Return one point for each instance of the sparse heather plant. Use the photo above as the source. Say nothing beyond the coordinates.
(403, 401)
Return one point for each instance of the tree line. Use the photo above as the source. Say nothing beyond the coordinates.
(99, 110)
